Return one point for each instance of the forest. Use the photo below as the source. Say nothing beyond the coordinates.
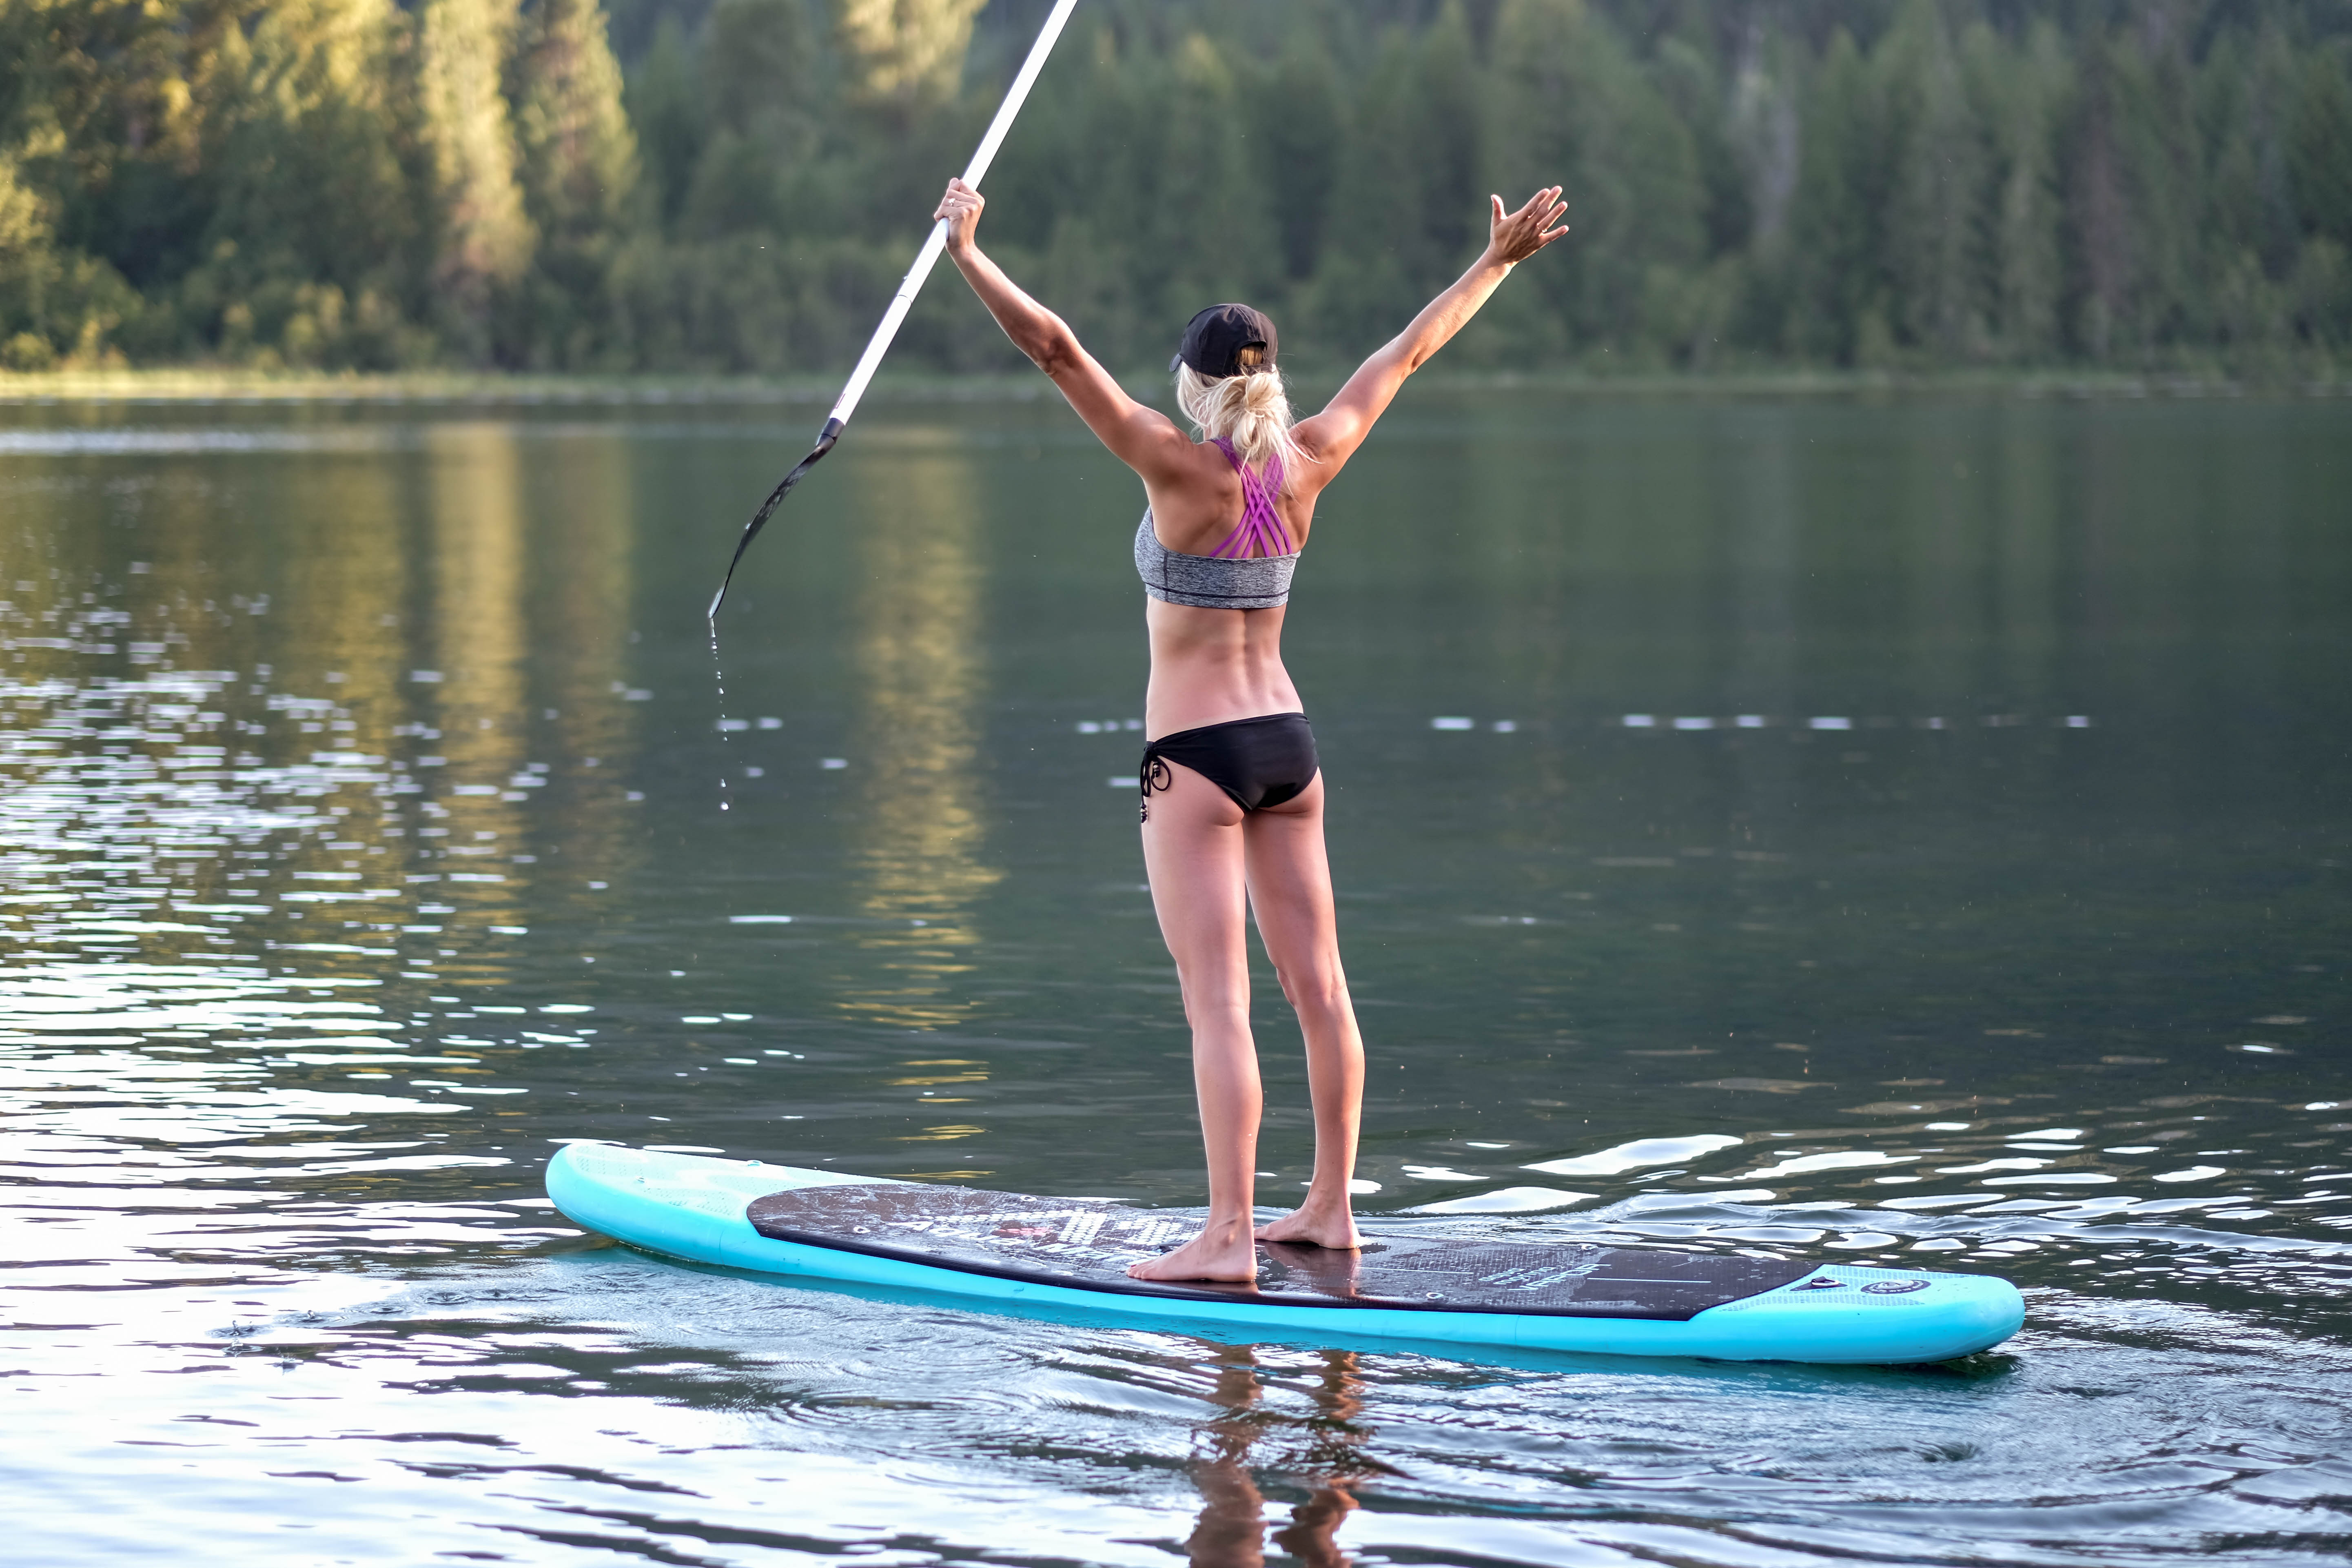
(733, 186)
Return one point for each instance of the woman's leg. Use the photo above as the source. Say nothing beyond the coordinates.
(1192, 850)
(1290, 894)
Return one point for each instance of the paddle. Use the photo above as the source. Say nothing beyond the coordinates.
(879, 344)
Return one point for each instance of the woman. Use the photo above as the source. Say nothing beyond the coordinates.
(1232, 806)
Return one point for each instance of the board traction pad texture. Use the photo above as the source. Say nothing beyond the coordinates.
(1088, 1243)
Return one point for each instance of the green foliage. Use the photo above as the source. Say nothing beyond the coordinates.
(1300, 122)
(375, 183)
(1838, 216)
(579, 176)
(904, 51)
(485, 240)
(306, 204)
(2320, 150)
(664, 100)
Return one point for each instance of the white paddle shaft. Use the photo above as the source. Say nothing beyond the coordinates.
(926, 258)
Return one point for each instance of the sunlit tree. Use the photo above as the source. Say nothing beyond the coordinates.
(906, 50)
(486, 238)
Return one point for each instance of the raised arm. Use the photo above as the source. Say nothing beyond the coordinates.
(1141, 436)
(1332, 437)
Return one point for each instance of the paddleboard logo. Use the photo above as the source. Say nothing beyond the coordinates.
(1893, 1287)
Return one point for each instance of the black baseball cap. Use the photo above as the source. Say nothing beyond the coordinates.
(1214, 339)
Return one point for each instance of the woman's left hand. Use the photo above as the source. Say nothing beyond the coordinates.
(1513, 237)
(962, 207)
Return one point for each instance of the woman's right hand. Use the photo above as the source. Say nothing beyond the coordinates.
(1512, 237)
(961, 207)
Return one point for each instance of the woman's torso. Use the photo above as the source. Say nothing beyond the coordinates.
(1209, 666)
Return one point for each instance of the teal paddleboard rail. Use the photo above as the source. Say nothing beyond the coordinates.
(698, 1208)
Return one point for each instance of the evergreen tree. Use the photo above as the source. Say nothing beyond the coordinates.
(2139, 197)
(1363, 292)
(2021, 94)
(2320, 164)
(578, 169)
(666, 105)
(485, 238)
(29, 271)
(1940, 214)
(761, 169)
(1691, 84)
(1209, 214)
(1581, 113)
(905, 51)
(1838, 307)
(2248, 224)
(310, 218)
(2171, 193)
(99, 121)
(2320, 149)
(578, 152)
(1441, 210)
(1297, 112)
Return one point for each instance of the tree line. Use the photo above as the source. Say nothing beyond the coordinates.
(735, 186)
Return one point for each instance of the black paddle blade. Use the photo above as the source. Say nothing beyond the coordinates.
(824, 441)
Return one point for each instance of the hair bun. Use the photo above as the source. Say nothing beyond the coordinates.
(1251, 411)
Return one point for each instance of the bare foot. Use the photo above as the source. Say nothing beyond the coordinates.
(1223, 1251)
(1318, 1225)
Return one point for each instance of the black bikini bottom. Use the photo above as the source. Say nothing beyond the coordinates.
(1259, 761)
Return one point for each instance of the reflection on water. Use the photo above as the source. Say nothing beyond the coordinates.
(475, 509)
(1907, 834)
(1322, 1453)
(582, 571)
(921, 686)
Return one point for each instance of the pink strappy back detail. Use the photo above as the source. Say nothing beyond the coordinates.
(1260, 532)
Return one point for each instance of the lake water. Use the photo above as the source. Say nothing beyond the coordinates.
(1919, 824)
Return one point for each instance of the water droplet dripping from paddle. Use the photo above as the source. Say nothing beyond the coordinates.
(718, 678)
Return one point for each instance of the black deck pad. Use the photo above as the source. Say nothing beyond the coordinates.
(1087, 1243)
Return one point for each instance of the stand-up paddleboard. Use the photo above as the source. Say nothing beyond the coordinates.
(1015, 1250)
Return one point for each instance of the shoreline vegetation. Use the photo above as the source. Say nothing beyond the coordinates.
(197, 385)
(1888, 189)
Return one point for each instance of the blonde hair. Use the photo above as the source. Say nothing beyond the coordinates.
(1251, 410)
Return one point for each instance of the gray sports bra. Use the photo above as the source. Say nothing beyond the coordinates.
(1209, 581)
(1228, 578)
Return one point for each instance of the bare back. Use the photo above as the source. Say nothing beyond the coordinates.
(1212, 665)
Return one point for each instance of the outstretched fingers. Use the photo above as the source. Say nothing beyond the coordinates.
(1555, 209)
(1519, 235)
